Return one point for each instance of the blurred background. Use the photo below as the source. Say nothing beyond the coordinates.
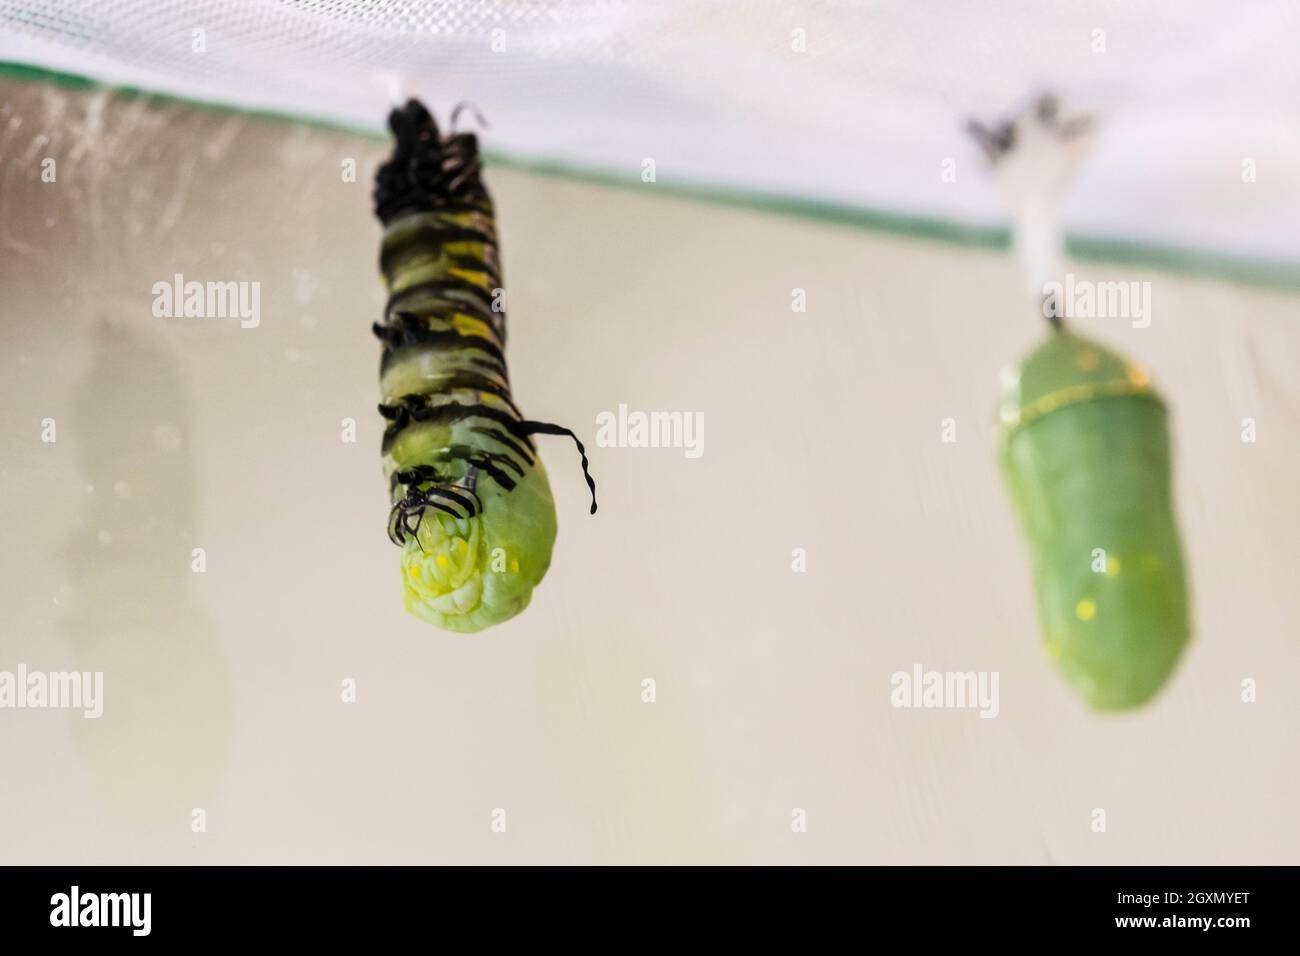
(815, 148)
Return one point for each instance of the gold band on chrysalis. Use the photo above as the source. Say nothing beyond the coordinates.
(1137, 385)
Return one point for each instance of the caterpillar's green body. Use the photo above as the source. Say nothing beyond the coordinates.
(1086, 458)
(471, 504)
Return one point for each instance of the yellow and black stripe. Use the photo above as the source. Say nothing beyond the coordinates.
(444, 329)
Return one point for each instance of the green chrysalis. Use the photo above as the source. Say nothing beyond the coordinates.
(1086, 458)
(471, 506)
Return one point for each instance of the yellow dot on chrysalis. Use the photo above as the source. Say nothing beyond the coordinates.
(1088, 360)
(514, 564)
(463, 546)
(1112, 567)
(1054, 650)
(441, 560)
(1138, 376)
(1086, 609)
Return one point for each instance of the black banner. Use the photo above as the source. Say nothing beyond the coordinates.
(177, 904)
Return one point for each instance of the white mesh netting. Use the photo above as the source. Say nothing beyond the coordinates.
(853, 103)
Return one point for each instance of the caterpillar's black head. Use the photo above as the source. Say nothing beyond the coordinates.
(427, 170)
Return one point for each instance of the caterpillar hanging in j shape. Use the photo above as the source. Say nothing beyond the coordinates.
(471, 505)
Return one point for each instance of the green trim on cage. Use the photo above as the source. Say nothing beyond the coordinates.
(1181, 260)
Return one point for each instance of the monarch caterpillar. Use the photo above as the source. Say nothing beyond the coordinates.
(1086, 458)
(471, 506)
